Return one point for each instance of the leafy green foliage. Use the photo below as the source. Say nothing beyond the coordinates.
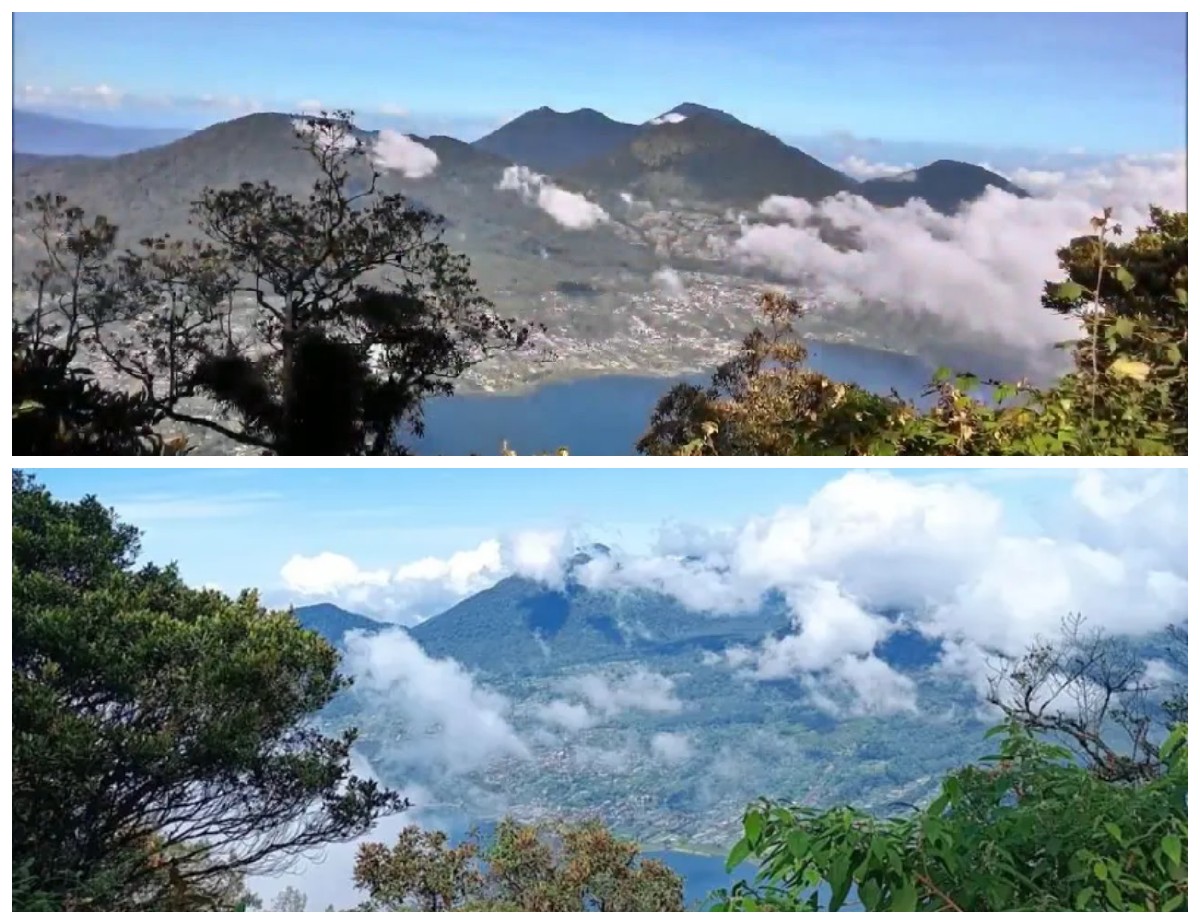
(1127, 393)
(1027, 829)
(548, 867)
(162, 744)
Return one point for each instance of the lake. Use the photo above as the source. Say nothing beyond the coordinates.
(605, 415)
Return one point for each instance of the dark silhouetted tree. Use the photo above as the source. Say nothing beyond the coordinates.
(359, 310)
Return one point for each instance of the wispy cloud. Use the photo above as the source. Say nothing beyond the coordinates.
(103, 96)
(144, 508)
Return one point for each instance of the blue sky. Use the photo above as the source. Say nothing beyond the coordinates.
(238, 527)
(1104, 82)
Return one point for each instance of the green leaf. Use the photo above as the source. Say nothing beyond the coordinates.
(798, 845)
(1069, 291)
(1100, 870)
(1084, 897)
(1122, 327)
(753, 825)
(868, 894)
(1114, 832)
(1125, 278)
(1172, 847)
(737, 855)
(905, 898)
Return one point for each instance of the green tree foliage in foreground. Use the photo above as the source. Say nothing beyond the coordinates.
(161, 744)
(1126, 394)
(317, 325)
(1028, 829)
(1078, 809)
(559, 866)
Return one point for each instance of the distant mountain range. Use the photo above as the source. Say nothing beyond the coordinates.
(689, 154)
(670, 193)
(629, 704)
(672, 760)
(36, 133)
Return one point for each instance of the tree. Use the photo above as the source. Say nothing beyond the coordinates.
(290, 899)
(1126, 395)
(60, 409)
(419, 871)
(1036, 826)
(1090, 690)
(360, 311)
(1026, 830)
(162, 736)
(549, 867)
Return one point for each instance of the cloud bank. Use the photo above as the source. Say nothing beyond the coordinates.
(450, 724)
(416, 590)
(571, 210)
(396, 151)
(868, 559)
(982, 268)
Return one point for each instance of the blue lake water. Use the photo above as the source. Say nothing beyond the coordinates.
(605, 415)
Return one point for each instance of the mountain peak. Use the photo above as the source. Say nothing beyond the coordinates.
(334, 623)
(688, 110)
(587, 553)
(551, 141)
(946, 185)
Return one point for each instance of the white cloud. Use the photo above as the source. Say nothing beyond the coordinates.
(957, 560)
(863, 686)
(828, 625)
(104, 96)
(327, 573)
(667, 281)
(982, 268)
(563, 714)
(539, 555)
(411, 592)
(668, 118)
(610, 694)
(944, 553)
(395, 151)
(143, 508)
(862, 169)
(451, 725)
(415, 590)
(571, 210)
(392, 109)
(462, 573)
(672, 747)
(100, 96)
